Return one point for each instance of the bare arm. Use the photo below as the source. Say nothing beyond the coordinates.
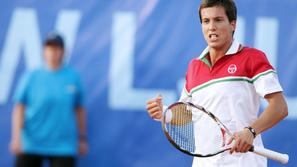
(81, 123)
(276, 111)
(17, 125)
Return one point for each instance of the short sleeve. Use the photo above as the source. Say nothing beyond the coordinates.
(21, 93)
(185, 97)
(267, 84)
(264, 76)
(185, 94)
(79, 99)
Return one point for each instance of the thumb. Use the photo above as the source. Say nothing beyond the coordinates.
(159, 96)
(231, 140)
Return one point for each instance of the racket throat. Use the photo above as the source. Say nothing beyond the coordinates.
(223, 132)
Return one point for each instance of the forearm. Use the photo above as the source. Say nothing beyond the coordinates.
(17, 121)
(81, 122)
(275, 112)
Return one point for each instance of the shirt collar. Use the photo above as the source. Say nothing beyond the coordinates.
(235, 47)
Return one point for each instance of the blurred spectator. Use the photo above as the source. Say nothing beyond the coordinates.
(48, 121)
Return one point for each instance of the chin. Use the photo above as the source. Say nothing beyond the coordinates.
(214, 45)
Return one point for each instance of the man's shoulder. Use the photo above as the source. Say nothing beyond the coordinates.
(71, 72)
(29, 73)
(252, 51)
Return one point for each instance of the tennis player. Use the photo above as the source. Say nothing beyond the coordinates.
(229, 79)
(48, 120)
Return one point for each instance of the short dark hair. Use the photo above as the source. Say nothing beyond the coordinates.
(54, 39)
(228, 5)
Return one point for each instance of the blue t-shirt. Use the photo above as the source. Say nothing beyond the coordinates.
(50, 99)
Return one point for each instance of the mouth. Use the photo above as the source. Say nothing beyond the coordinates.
(213, 36)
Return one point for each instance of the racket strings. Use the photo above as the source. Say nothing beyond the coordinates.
(194, 131)
(210, 137)
(181, 128)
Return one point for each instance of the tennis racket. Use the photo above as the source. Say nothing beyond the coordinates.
(197, 132)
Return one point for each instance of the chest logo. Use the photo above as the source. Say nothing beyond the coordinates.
(71, 89)
(232, 69)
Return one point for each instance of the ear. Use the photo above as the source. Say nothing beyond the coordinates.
(233, 24)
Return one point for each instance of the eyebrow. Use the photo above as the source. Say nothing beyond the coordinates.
(217, 17)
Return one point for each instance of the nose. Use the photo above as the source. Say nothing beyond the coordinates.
(212, 26)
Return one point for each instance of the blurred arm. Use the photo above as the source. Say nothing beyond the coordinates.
(81, 121)
(17, 125)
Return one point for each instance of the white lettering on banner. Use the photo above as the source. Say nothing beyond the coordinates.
(67, 24)
(122, 95)
(292, 105)
(240, 30)
(22, 34)
(27, 39)
(267, 40)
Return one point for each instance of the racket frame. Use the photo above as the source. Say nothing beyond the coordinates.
(211, 115)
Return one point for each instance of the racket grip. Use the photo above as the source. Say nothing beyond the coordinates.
(282, 158)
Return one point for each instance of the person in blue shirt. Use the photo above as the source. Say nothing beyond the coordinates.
(48, 120)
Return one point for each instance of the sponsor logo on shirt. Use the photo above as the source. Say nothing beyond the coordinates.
(232, 69)
(71, 89)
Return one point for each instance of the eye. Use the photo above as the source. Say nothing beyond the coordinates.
(205, 21)
(219, 19)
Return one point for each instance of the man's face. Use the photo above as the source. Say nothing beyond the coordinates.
(53, 55)
(216, 28)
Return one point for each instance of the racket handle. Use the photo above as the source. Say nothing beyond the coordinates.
(282, 158)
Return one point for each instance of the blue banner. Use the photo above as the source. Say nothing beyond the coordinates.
(128, 52)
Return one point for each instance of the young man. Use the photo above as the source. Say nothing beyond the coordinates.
(48, 120)
(229, 79)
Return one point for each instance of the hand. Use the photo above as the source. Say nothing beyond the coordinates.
(243, 141)
(15, 146)
(83, 147)
(155, 107)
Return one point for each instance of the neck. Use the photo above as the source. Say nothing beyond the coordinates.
(53, 67)
(215, 54)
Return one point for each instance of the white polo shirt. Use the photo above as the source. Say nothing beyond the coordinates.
(231, 89)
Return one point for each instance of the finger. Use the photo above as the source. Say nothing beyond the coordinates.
(240, 148)
(159, 100)
(152, 105)
(156, 115)
(238, 145)
(16, 151)
(151, 101)
(159, 97)
(154, 110)
(233, 149)
(231, 140)
(13, 149)
(246, 148)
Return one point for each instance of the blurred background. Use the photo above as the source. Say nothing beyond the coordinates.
(127, 51)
